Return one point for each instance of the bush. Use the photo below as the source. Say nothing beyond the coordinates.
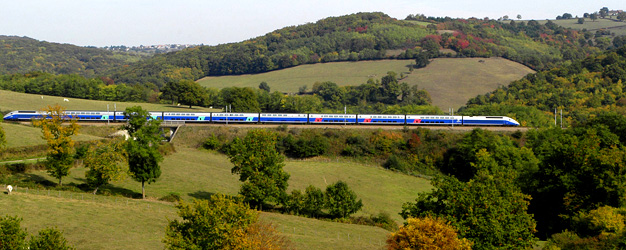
(295, 202)
(303, 148)
(171, 197)
(313, 201)
(341, 201)
(396, 163)
(212, 143)
(49, 238)
(12, 236)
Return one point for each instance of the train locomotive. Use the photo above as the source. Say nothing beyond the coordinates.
(281, 118)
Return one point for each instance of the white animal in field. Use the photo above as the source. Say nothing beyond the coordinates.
(65, 100)
(41, 97)
(9, 189)
(178, 104)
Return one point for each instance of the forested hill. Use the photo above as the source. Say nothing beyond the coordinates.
(581, 89)
(367, 36)
(24, 55)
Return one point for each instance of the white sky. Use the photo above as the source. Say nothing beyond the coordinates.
(210, 22)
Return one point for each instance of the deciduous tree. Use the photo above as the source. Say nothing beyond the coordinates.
(341, 201)
(142, 151)
(58, 137)
(104, 164)
(489, 210)
(260, 167)
(3, 140)
(217, 223)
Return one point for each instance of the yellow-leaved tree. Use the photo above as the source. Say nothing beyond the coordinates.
(58, 137)
(427, 233)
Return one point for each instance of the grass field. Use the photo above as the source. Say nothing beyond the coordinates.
(450, 81)
(18, 135)
(615, 26)
(107, 222)
(10, 101)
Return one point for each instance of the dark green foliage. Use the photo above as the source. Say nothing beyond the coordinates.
(314, 202)
(23, 55)
(395, 163)
(260, 167)
(12, 236)
(143, 151)
(460, 161)
(489, 209)
(185, 92)
(171, 197)
(303, 147)
(264, 86)
(212, 143)
(240, 99)
(580, 169)
(341, 201)
(295, 202)
(49, 239)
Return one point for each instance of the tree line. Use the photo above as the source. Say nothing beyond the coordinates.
(368, 36)
(581, 89)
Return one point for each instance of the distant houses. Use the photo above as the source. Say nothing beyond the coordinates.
(614, 12)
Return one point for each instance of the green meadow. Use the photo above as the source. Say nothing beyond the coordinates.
(614, 25)
(450, 81)
(120, 222)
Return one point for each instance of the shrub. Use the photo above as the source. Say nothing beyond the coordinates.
(212, 143)
(171, 197)
(313, 201)
(295, 202)
(12, 236)
(427, 233)
(49, 238)
(341, 201)
(396, 163)
(303, 148)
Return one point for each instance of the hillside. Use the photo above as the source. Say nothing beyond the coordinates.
(23, 55)
(194, 173)
(365, 36)
(581, 89)
(450, 81)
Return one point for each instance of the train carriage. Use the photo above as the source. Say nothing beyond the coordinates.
(182, 116)
(235, 117)
(381, 119)
(283, 118)
(447, 120)
(332, 119)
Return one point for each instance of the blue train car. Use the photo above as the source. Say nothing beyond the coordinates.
(182, 116)
(381, 119)
(283, 118)
(434, 120)
(489, 121)
(332, 118)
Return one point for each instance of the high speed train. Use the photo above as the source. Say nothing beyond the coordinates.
(280, 118)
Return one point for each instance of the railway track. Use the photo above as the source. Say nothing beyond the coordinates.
(323, 126)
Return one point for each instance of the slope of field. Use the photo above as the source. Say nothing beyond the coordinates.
(18, 135)
(450, 81)
(614, 25)
(20, 101)
(96, 222)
